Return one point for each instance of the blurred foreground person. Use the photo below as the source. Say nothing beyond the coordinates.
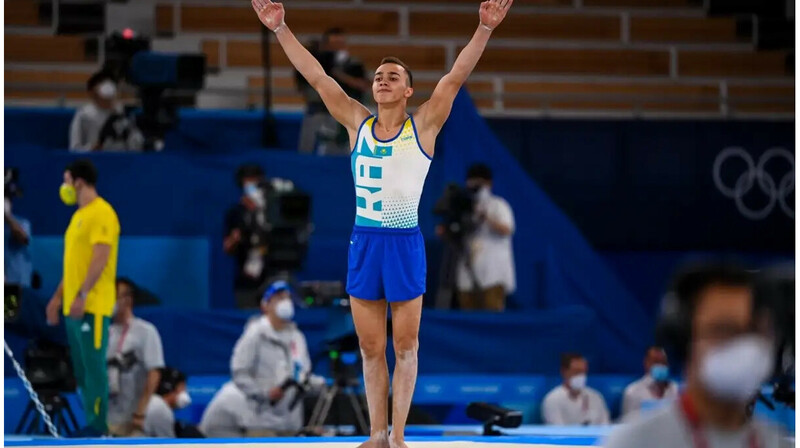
(726, 336)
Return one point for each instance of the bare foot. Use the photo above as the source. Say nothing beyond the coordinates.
(397, 443)
(377, 442)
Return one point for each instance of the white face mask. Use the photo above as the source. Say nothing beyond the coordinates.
(107, 90)
(8, 206)
(342, 56)
(285, 310)
(577, 382)
(736, 370)
(183, 400)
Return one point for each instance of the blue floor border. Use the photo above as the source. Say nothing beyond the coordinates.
(523, 440)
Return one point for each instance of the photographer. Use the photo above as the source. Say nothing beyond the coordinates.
(18, 265)
(247, 231)
(488, 276)
(271, 352)
(159, 420)
(102, 124)
(726, 333)
(134, 358)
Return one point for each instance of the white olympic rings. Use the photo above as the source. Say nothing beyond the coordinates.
(777, 193)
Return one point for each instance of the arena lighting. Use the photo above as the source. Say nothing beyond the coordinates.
(491, 416)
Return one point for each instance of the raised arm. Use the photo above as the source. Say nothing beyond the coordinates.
(347, 111)
(435, 111)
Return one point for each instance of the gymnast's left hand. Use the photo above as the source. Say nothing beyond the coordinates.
(493, 12)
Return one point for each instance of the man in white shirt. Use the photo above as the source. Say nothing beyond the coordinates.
(653, 389)
(487, 276)
(159, 418)
(135, 357)
(101, 124)
(714, 319)
(573, 403)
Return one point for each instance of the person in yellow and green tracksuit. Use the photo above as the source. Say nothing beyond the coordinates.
(87, 292)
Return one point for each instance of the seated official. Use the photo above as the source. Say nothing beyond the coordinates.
(271, 351)
(572, 403)
(653, 389)
(159, 419)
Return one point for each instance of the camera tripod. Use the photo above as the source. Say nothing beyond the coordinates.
(448, 274)
(323, 406)
(57, 406)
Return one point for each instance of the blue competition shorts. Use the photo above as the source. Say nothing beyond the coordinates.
(386, 264)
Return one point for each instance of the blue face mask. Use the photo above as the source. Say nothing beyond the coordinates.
(659, 372)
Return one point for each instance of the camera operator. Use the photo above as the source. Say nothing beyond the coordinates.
(726, 333)
(102, 124)
(271, 352)
(484, 283)
(247, 236)
(135, 357)
(159, 420)
(18, 265)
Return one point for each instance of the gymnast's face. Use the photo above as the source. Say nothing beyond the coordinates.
(391, 84)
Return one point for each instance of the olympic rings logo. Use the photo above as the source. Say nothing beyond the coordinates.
(755, 175)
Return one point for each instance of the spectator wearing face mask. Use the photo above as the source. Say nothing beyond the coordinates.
(135, 358)
(271, 351)
(573, 403)
(653, 388)
(159, 420)
(714, 319)
(485, 273)
(246, 236)
(102, 124)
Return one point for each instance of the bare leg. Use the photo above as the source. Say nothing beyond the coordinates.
(405, 335)
(369, 318)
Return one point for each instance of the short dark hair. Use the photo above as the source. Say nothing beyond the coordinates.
(394, 60)
(134, 288)
(83, 169)
(567, 358)
(248, 170)
(99, 77)
(479, 171)
(170, 379)
(335, 31)
(693, 279)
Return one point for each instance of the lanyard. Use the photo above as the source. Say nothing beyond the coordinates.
(687, 407)
(122, 337)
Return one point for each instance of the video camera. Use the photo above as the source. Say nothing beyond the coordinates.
(456, 206)
(164, 82)
(48, 367)
(289, 216)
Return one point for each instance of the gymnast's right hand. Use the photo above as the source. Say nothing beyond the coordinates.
(271, 14)
(53, 310)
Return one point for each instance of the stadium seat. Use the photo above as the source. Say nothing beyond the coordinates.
(612, 96)
(21, 13)
(760, 98)
(575, 61)
(419, 57)
(36, 48)
(732, 64)
(683, 29)
(223, 19)
(518, 26)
